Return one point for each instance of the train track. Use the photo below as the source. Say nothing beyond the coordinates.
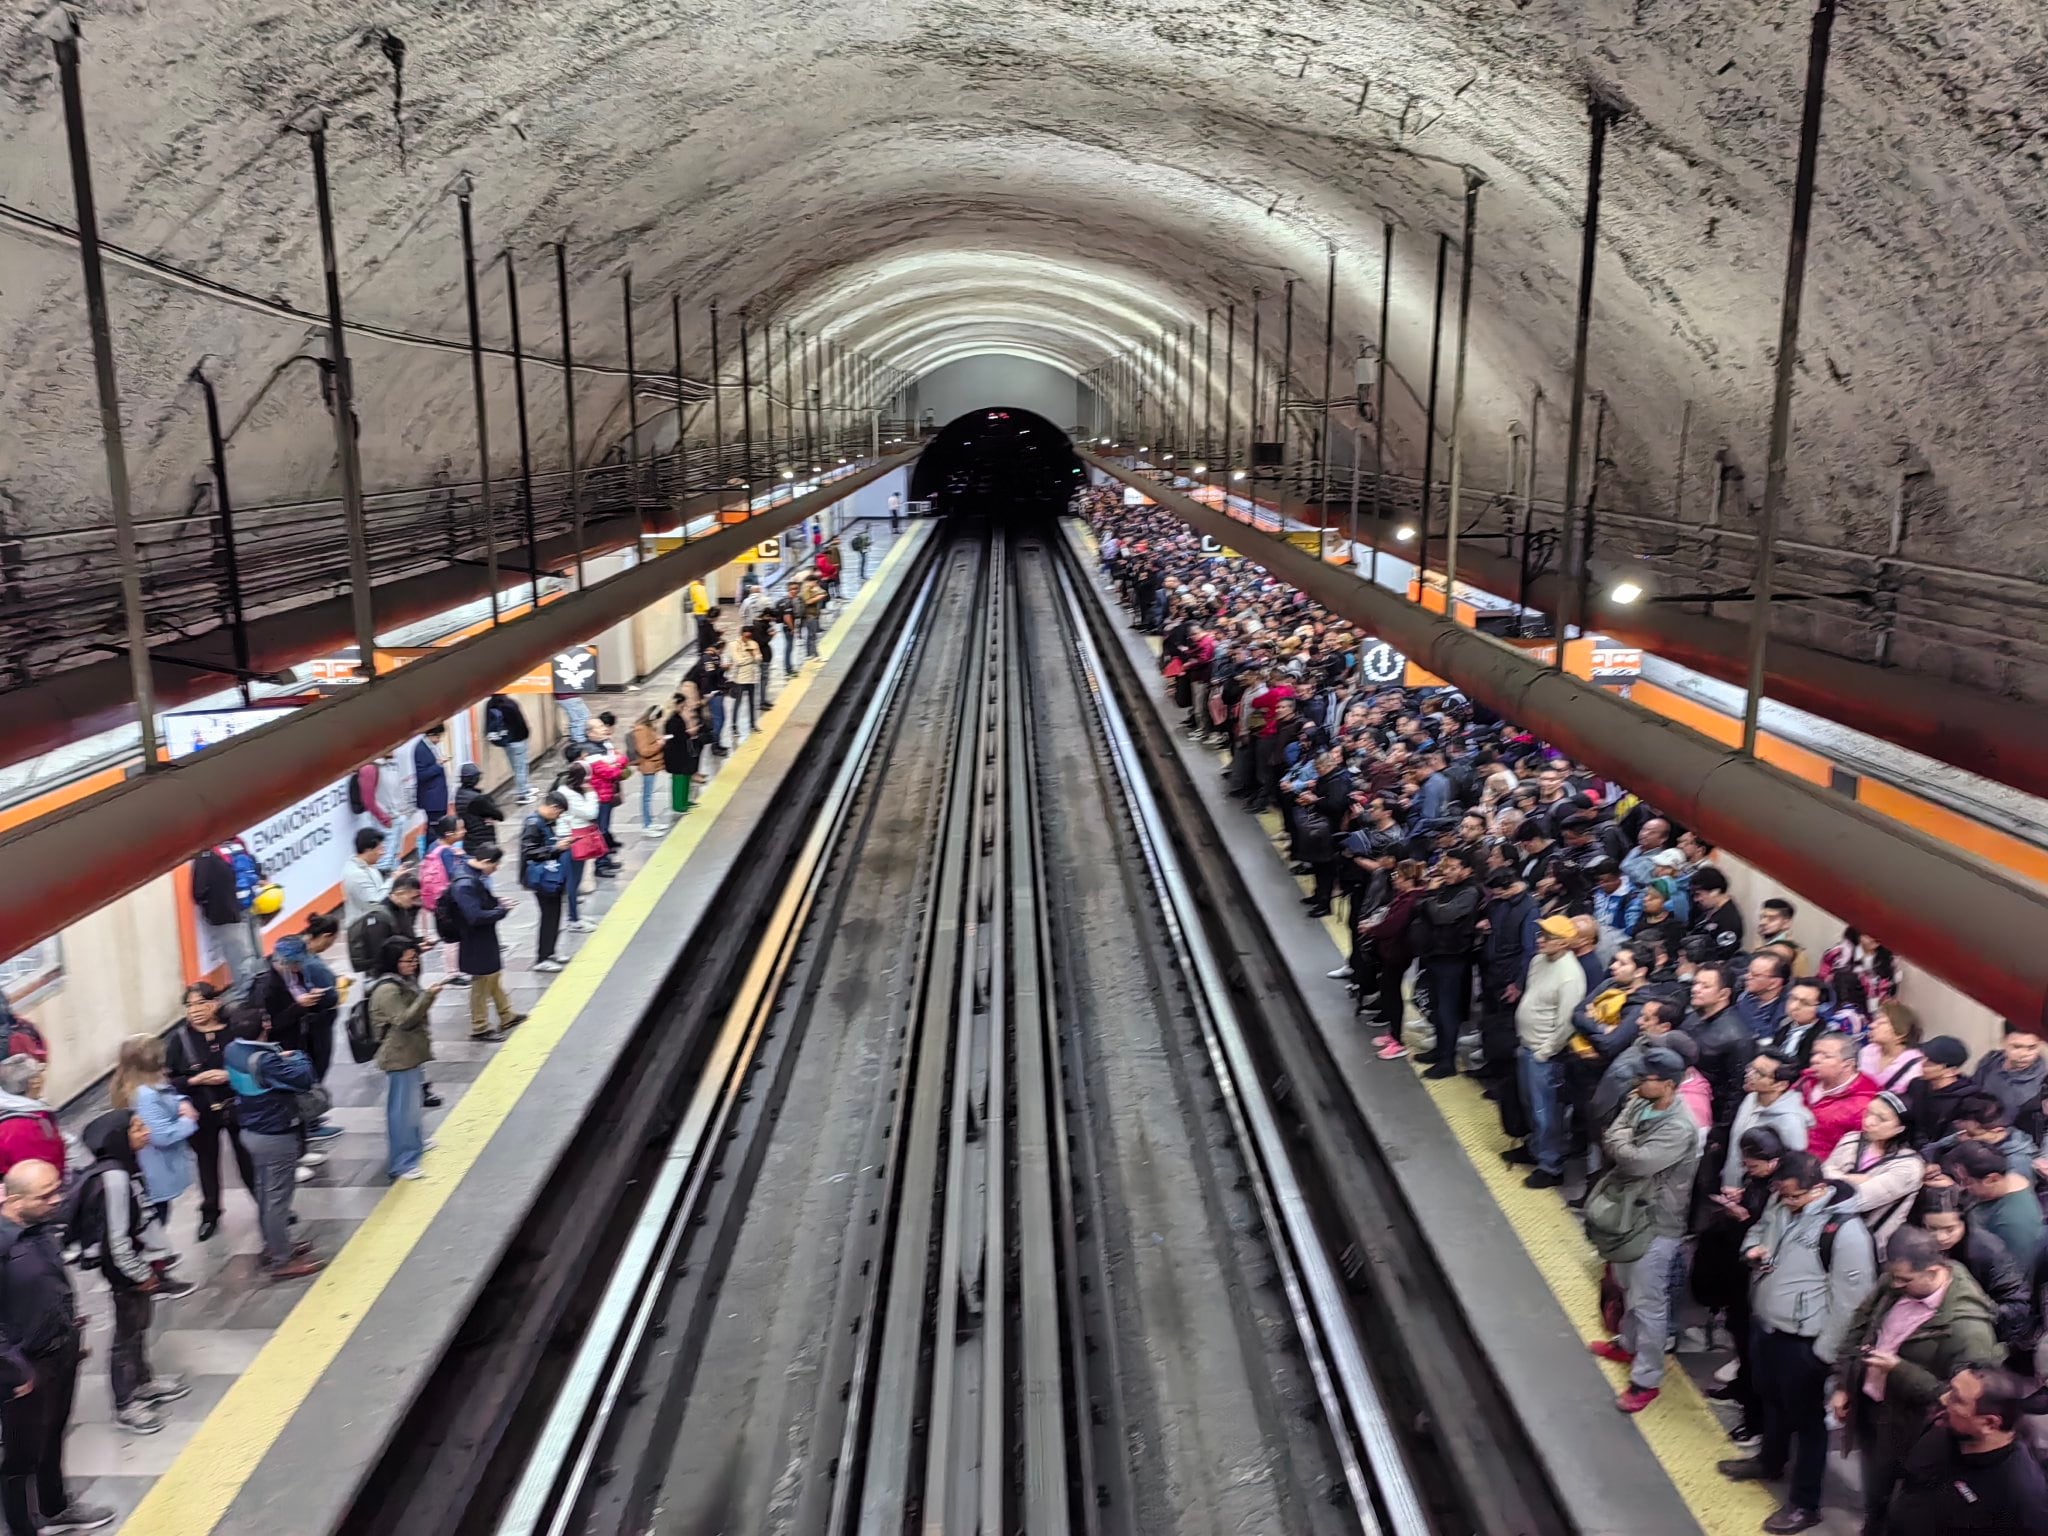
(988, 1205)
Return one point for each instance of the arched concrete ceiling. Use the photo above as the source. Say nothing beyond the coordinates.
(927, 181)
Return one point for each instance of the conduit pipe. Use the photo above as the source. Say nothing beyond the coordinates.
(1965, 922)
(1967, 728)
(109, 845)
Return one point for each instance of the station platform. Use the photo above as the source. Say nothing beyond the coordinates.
(257, 1353)
(1544, 1285)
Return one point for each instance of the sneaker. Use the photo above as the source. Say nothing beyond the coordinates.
(162, 1389)
(659, 828)
(312, 1159)
(1746, 1469)
(457, 980)
(413, 1173)
(508, 1025)
(1789, 1520)
(1746, 1438)
(1727, 1371)
(1520, 1157)
(1635, 1399)
(1542, 1179)
(78, 1516)
(582, 925)
(173, 1288)
(1610, 1349)
(430, 1143)
(1441, 1070)
(431, 1099)
(1391, 1049)
(302, 1173)
(324, 1131)
(1342, 973)
(297, 1269)
(549, 965)
(137, 1419)
(488, 1036)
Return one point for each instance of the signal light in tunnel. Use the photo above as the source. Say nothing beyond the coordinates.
(998, 415)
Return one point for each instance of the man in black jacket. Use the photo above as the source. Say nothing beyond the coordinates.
(39, 1349)
(224, 882)
(505, 727)
(1505, 949)
(1726, 1047)
(1933, 1097)
(1450, 919)
(1968, 1475)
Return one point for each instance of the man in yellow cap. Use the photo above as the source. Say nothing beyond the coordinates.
(1543, 1026)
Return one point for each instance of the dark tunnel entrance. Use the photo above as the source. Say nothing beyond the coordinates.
(998, 462)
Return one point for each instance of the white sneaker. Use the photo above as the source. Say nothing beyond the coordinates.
(1728, 1372)
(1342, 973)
(550, 966)
(429, 1144)
(312, 1159)
(582, 925)
(413, 1173)
(657, 829)
(302, 1174)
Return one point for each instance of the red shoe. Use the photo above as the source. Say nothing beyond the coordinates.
(1636, 1399)
(1607, 1349)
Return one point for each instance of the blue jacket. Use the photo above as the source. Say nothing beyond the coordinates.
(279, 1075)
(165, 1160)
(430, 782)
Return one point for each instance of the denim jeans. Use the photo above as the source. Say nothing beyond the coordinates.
(646, 799)
(717, 703)
(1646, 1312)
(575, 717)
(404, 1113)
(275, 1159)
(606, 809)
(1450, 999)
(1542, 1096)
(516, 755)
(572, 877)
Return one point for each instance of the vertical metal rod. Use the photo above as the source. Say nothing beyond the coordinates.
(1436, 351)
(1209, 383)
(1357, 464)
(224, 511)
(746, 412)
(343, 400)
(1251, 462)
(675, 325)
(1601, 114)
(768, 399)
(1283, 383)
(1678, 475)
(569, 408)
(1379, 396)
(478, 394)
(633, 407)
(1788, 361)
(790, 396)
(127, 555)
(1188, 391)
(1473, 182)
(1588, 527)
(718, 475)
(525, 438)
(813, 422)
(1322, 441)
(1229, 394)
(1529, 505)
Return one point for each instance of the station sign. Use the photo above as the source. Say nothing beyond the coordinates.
(767, 552)
(574, 670)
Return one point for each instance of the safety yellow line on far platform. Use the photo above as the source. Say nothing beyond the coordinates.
(1681, 1428)
(192, 1496)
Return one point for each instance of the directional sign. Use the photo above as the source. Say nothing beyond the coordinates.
(575, 670)
(1382, 664)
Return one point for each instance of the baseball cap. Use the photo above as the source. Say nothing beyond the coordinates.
(1559, 927)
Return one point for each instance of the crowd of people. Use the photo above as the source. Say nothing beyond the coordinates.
(1766, 1142)
(246, 1066)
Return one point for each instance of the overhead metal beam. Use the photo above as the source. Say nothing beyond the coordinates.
(1976, 928)
(104, 847)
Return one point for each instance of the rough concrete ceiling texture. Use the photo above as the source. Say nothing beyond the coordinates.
(930, 181)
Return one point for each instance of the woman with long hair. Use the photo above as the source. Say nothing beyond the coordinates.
(1879, 1163)
(586, 841)
(1940, 1211)
(142, 1085)
(647, 761)
(680, 751)
(196, 1059)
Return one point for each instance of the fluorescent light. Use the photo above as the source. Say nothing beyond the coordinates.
(1405, 533)
(1237, 474)
(1201, 469)
(1625, 592)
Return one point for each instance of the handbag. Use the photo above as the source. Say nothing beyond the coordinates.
(586, 844)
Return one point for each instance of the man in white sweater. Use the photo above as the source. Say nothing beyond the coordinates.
(1543, 1023)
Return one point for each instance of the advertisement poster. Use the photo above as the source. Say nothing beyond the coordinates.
(303, 848)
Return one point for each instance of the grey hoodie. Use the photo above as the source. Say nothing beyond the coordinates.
(2019, 1092)
(1797, 1293)
(1789, 1117)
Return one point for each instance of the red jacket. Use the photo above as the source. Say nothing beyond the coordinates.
(606, 769)
(30, 1133)
(1836, 1115)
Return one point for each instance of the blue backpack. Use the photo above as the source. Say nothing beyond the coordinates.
(247, 876)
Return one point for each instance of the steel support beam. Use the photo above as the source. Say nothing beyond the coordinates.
(1965, 922)
(102, 848)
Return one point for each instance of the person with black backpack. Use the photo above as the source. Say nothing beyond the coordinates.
(105, 1224)
(40, 1331)
(399, 1008)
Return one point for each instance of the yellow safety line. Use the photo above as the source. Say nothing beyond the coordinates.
(1682, 1429)
(195, 1492)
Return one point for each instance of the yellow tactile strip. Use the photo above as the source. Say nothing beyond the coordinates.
(190, 1498)
(1681, 1427)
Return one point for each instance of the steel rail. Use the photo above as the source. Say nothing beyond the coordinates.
(1376, 1471)
(561, 1461)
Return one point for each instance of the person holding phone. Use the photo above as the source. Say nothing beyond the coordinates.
(399, 1011)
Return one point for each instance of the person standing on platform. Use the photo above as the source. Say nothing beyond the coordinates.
(196, 1058)
(429, 779)
(506, 729)
(399, 1012)
(267, 1082)
(647, 762)
(479, 813)
(1813, 1265)
(1835, 1090)
(544, 869)
(608, 767)
(895, 512)
(440, 859)
(743, 676)
(29, 1129)
(1555, 987)
(861, 545)
(1636, 1215)
(225, 879)
(679, 749)
(363, 884)
(585, 841)
(40, 1330)
(1449, 910)
(1967, 1475)
(481, 911)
